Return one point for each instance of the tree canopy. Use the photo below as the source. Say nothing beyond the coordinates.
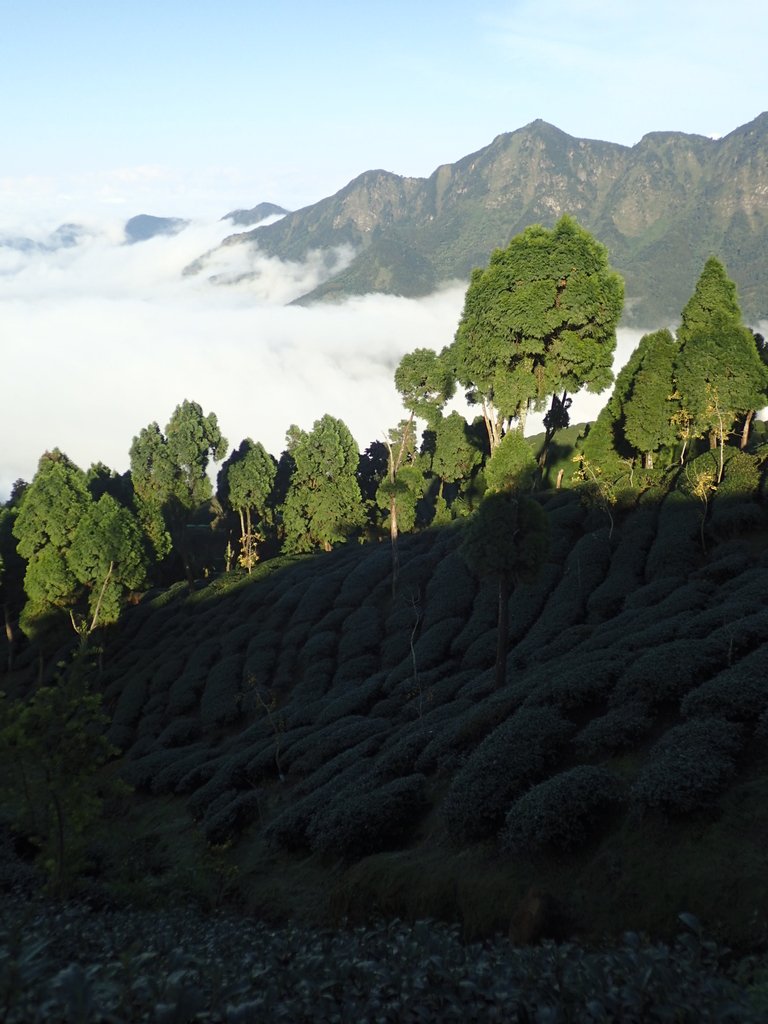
(323, 505)
(539, 320)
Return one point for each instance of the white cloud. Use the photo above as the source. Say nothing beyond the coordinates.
(103, 338)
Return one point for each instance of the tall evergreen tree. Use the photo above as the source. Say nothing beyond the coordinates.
(647, 403)
(250, 476)
(50, 512)
(718, 370)
(538, 321)
(108, 557)
(170, 475)
(323, 505)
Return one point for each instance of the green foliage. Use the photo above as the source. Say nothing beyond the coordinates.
(738, 693)
(457, 453)
(688, 766)
(514, 756)
(617, 729)
(562, 812)
(49, 514)
(169, 473)
(512, 465)
(358, 825)
(51, 749)
(508, 536)
(178, 964)
(669, 670)
(424, 382)
(540, 319)
(107, 556)
(220, 702)
(719, 371)
(676, 550)
(323, 506)
(644, 394)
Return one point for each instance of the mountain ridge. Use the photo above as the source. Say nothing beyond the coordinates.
(661, 207)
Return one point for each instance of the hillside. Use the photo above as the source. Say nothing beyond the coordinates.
(662, 207)
(306, 745)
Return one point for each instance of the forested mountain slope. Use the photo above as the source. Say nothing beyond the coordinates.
(662, 207)
(307, 712)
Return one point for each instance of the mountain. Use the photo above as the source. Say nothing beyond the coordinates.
(247, 218)
(661, 207)
(143, 227)
(66, 236)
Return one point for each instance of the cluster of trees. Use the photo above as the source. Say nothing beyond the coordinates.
(705, 383)
(539, 324)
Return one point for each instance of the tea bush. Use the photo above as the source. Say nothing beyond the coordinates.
(620, 727)
(688, 766)
(676, 549)
(668, 671)
(220, 701)
(227, 822)
(739, 693)
(362, 634)
(362, 823)
(354, 699)
(514, 756)
(450, 591)
(562, 812)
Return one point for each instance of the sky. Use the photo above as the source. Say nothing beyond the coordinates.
(191, 109)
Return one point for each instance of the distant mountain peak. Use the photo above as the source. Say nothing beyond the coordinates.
(144, 226)
(247, 218)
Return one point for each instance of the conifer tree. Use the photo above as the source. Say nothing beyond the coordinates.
(250, 476)
(170, 475)
(323, 505)
(719, 371)
(49, 514)
(647, 403)
(538, 321)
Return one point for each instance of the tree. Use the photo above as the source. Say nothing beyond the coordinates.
(51, 749)
(250, 476)
(719, 371)
(538, 321)
(425, 383)
(107, 556)
(647, 404)
(49, 514)
(170, 476)
(507, 539)
(323, 505)
(456, 455)
(11, 578)
(512, 465)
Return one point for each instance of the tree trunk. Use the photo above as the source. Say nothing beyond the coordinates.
(502, 640)
(745, 432)
(648, 460)
(393, 542)
(97, 609)
(9, 636)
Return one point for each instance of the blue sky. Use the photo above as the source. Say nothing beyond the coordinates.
(191, 107)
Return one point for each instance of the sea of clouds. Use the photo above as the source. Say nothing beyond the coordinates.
(101, 338)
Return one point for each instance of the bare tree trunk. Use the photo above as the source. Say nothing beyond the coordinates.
(97, 609)
(745, 432)
(9, 636)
